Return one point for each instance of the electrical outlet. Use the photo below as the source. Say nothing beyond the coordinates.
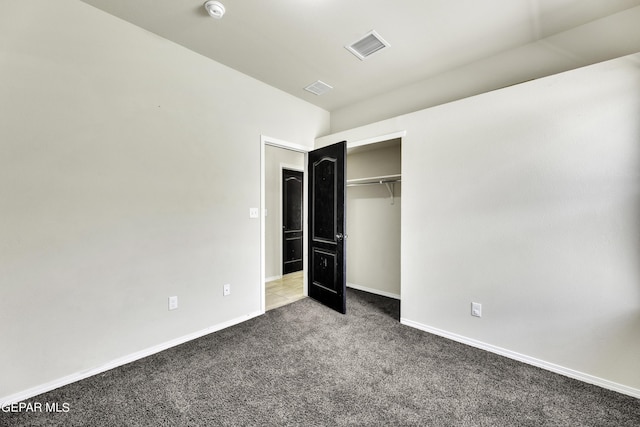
(226, 290)
(173, 303)
(254, 213)
(476, 309)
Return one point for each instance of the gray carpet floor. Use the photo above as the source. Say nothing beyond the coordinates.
(305, 365)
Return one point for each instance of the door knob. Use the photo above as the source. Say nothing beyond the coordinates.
(339, 236)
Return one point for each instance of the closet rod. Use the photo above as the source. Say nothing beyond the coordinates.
(387, 182)
(382, 181)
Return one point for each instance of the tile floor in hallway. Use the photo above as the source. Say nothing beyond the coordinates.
(284, 291)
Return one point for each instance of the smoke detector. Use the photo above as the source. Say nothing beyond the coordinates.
(215, 9)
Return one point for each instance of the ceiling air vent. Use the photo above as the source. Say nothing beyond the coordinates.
(367, 45)
(318, 88)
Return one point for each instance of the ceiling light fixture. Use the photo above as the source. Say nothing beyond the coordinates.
(215, 9)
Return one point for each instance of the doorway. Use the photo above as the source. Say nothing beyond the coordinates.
(283, 235)
(374, 205)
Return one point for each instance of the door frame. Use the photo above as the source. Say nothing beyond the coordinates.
(274, 142)
(372, 141)
(286, 145)
(401, 134)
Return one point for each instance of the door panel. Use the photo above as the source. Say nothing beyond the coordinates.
(292, 186)
(327, 278)
(324, 264)
(325, 189)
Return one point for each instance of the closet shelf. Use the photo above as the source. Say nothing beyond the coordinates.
(387, 180)
(383, 179)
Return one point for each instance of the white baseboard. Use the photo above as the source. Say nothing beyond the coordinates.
(52, 385)
(373, 291)
(272, 278)
(577, 375)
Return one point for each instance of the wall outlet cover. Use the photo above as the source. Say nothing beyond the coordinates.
(476, 309)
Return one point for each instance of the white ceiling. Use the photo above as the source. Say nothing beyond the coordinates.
(292, 43)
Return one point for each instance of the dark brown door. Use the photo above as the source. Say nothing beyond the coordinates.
(327, 278)
(292, 186)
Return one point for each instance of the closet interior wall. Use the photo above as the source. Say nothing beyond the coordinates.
(373, 218)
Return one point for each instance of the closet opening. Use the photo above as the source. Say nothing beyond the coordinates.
(374, 202)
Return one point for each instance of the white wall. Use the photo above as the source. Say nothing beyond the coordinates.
(275, 159)
(373, 222)
(128, 166)
(527, 200)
